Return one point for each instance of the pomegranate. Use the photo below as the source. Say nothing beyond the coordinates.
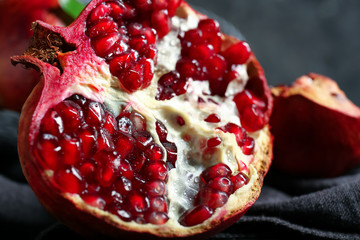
(16, 17)
(319, 136)
(147, 122)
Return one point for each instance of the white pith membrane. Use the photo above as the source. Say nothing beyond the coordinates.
(183, 180)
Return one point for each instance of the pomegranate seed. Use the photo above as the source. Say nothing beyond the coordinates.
(125, 169)
(110, 123)
(124, 144)
(154, 152)
(195, 216)
(239, 180)
(103, 46)
(135, 29)
(102, 28)
(248, 146)
(48, 150)
(231, 75)
(209, 25)
(251, 110)
(170, 85)
(238, 53)
(138, 203)
(143, 5)
(122, 10)
(212, 198)
(95, 114)
(187, 68)
(158, 204)
(67, 182)
(94, 201)
(202, 52)
(138, 162)
(138, 121)
(213, 118)
(238, 131)
(161, 131)
(172, 6)
(155, 188)
(171, 151)
(52, 123)
(143, 139)
(125, 125)
(216, 66)
(149, 34)
(160, 4)
(122, 62)
(213, 142)
(180, 121)
(156, 170)
(218, 170)
(223, 184)
(157, 218)
(161, 22)
(88, 139)
(218, 86)
(124, 215)
(123, 185)
(87, 170)
(100, 12)
(194, 36)
(71, 114)
(70, 150)
(137, 42)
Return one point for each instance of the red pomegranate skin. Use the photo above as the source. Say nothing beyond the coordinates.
(16, 17)
(54, 87)
(319, 137)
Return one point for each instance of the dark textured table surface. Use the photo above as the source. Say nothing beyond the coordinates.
(293, 37)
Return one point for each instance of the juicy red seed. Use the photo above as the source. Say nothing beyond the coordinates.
(123, 215)
(157, 218)
(231, 75)
(95, 114)
(123, 185)
(78, 99)
(170, 85)
(218, 170)
(218, 86)
(67, 181)
(71, 114)
(180, 121)
(171, 151)
(154, 152)
(137, 42)
(160, 4)
(147, 71)
(209, 25)
(104, 141)
(122, 62)
(135, 29)
(100, 12)
(156, 170)
(110, 123)
(125, 169)
(158, 204)
(216, 66)
(94, 201)
(239, 180)
(122, 10)
(212, 198)
(138, 203)
(161, 22)
(88, 139)
(187, 68)
(103, 46)
(238, 53)
(161, 131)
(105, 174)
(48, 150)
(213, 142)
(138, 162)
(70, 150)
(143, 139)
(248, 146)
(102, 28)
(149, 34)
(155, 188)
(172, 6)
(52, 123)
(87, 170)
(213, 118)
(138, 120)
(124, 144)
(238, 131)
(223, 184)
(202, 52)
(195, 216)
(125, 125)
(143, 5)
(194, 36)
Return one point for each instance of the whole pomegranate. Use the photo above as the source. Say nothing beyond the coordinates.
(320, 135)
(148, 122)
(16, 17)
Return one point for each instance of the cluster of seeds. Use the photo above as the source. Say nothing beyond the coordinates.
(216, 185)
(124, 33)
(202, 59)
(112, 163)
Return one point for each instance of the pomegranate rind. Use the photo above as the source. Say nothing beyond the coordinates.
(91, 221)
(316, 128)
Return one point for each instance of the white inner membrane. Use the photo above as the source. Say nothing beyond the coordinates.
(182, 185)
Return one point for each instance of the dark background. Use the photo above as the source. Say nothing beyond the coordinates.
(294, 37)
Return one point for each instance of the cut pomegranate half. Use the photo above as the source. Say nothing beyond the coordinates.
(145, 123)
